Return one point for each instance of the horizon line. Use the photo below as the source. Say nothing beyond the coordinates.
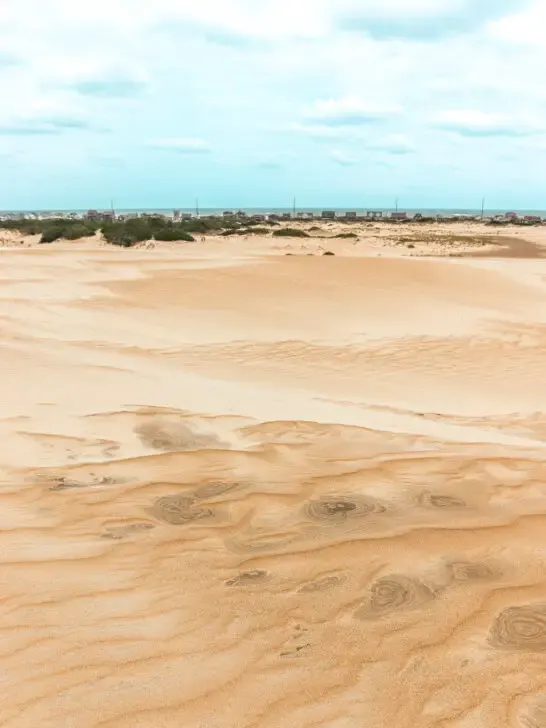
(265, 208)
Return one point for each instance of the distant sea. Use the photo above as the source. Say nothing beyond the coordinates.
(280, 210)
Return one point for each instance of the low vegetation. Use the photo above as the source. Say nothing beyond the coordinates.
(52, 228)
(444, 239)
(290, 233)
(151, 227)
(123, 232)
(346, 235)
(246, 231)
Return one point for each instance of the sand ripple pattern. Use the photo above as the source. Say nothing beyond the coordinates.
(393, 593)
(462, 571)
(338, 509)
(322, 585)
(281, 515)
(249, 578)
(520, 628)
(534, 714)
(177, 510)
(439, 500)
(214, 490)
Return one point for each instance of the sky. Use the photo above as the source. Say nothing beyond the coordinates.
(248, 103)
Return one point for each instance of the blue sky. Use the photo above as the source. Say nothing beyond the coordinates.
(249, 102)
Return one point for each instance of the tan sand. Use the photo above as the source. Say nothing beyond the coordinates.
(256, 491)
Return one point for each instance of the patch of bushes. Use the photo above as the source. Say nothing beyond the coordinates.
(209, 224)
(245, 231)
(173, 233)
(52, 229)
(255, 231)
(346, 235)
(51, 234)
(124, 238)
(150, 227)
(77, 231)
(129, 232)
(290, 233)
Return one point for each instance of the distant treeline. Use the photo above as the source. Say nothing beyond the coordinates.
(129, 232)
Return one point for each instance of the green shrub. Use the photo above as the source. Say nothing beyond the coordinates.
(346, 235)
(247, 231)
(173, 233)
(257, 231)
(51, 234)
(290, 233)
(119, 233)
(124, 238)
(75, 232)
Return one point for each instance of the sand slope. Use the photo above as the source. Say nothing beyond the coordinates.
(257, 491)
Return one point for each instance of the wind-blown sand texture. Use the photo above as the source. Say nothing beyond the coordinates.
(266, 491)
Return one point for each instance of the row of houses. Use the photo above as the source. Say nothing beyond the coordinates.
(324, 215)
(177, 215)
(514, 217)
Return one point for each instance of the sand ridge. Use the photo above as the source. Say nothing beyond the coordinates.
(245, 489)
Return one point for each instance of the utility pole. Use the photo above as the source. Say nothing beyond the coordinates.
(483, 206)
(294, 207)
(197, 207)
(396, 204)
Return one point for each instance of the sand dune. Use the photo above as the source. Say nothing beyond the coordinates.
(258, 491)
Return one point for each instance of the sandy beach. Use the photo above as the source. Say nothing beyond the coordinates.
(242, 488)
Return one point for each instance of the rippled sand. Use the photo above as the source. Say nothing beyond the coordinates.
(271, 492)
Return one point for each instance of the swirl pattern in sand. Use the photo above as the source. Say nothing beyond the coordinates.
(520, 628)
(338, 509)
(394, 593)
(210, 471)
(179, 510)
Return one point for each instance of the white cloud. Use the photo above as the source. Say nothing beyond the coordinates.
(477, 123)
(38, 116)
(350, 111)
(182, 145)
(231, 74)
(523, 27)
(320, 132)
(392, 144)
(343, 158)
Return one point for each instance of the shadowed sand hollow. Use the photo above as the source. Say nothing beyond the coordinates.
(271, 491)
